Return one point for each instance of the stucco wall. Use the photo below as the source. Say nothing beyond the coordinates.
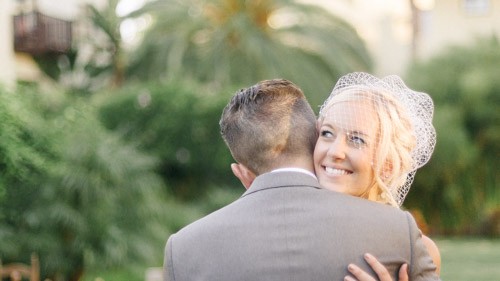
(386, 27)
(450, 23)
(7, 62)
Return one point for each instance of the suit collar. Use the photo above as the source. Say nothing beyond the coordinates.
(300, 170)
(279, 179)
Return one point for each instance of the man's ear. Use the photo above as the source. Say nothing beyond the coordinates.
(243, 174)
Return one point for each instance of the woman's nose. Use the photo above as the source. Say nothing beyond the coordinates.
(337, 148)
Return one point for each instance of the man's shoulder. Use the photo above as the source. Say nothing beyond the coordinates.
(361, 206)
(210, 221)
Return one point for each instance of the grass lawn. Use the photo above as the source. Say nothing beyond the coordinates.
(469, 259)
(462, 260)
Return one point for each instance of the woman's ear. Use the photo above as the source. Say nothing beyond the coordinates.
(243, 174)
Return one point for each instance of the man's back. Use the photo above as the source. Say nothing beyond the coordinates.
(287, 228)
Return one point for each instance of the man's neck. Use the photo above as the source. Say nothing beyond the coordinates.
(304, 164)
(296, 170)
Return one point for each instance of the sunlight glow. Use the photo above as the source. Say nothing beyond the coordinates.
(281, 20)
(425, 5)
(131, 28)
(127, 6)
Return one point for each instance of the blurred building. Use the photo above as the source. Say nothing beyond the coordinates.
(36, 27)
(396, 31)
(457, 22)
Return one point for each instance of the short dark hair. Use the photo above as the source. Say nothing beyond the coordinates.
(267, 124)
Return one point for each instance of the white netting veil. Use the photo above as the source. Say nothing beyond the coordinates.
(404, 137)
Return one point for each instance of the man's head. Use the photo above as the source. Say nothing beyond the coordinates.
(269, 125)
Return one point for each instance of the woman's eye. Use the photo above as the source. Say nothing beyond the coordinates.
(326, 133)
(357, 141)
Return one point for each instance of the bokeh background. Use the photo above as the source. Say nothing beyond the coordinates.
(109, 137)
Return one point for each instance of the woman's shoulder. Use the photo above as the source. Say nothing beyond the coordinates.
(433, 250)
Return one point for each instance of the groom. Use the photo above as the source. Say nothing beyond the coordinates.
(285, 226)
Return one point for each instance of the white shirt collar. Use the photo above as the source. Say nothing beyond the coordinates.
(299, 170)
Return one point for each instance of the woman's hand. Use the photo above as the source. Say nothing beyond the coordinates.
(382, 272)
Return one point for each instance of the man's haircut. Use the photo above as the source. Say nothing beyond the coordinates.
(267, 124)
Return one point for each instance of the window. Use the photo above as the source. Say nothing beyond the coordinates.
(476, 7)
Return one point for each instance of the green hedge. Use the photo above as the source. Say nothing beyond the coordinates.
(178, 123)
(458, 190)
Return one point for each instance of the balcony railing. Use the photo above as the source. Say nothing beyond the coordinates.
(36, 33)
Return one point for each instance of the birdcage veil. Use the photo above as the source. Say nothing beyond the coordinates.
(407, 111)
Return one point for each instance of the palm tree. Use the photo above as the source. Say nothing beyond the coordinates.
(238, 42)
(108, 23)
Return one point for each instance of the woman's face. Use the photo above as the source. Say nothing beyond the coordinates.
(344, 151)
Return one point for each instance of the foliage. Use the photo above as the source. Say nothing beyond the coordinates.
(458, 189)
(97, 58)
(22, 157)
(179, 123)
(74, 192)
(236, 42)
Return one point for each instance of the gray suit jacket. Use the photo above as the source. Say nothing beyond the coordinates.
(286, 227)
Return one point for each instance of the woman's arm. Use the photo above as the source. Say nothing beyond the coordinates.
(433, 252)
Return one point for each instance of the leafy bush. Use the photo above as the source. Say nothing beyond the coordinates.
(22, 156)
(460, 184)
(74, 192)
(178, 123)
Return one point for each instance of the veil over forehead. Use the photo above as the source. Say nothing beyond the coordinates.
(416, 106)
